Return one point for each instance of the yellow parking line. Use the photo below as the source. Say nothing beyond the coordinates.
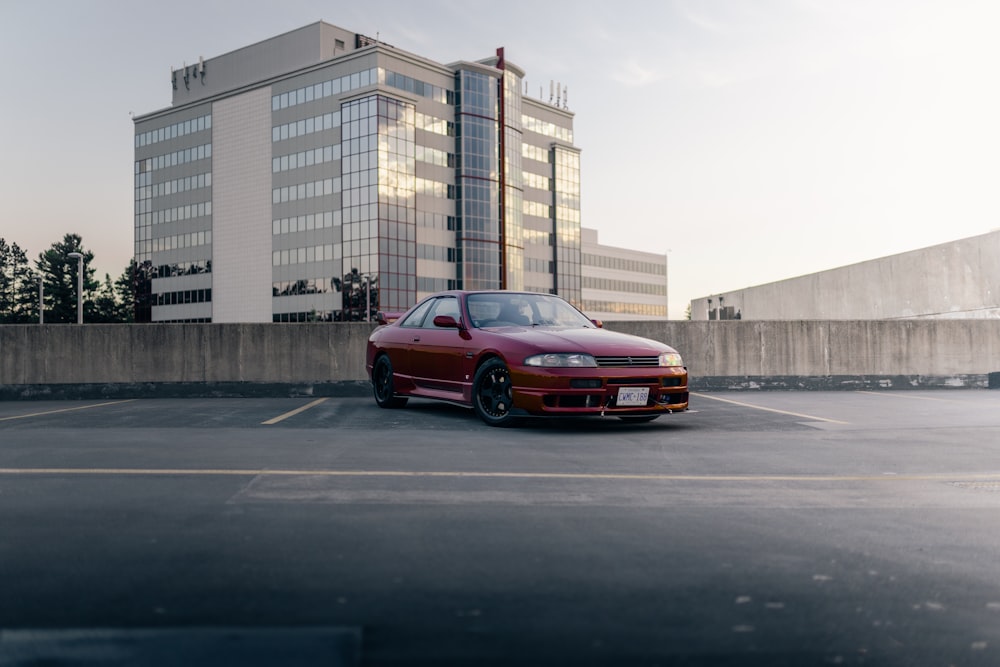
(780, 412)
(196, 472)
(53, 412)
(294, 412)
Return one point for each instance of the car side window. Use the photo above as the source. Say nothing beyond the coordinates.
(446, 305)
(416, 318)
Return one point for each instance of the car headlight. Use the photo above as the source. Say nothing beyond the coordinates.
(561, 361)
(671, 359)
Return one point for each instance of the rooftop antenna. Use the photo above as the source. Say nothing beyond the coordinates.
(552, 90)
(558, 94)
(565, 97)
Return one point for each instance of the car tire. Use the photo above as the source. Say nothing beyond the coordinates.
(492, 393)
(641, 419)
(382, 385)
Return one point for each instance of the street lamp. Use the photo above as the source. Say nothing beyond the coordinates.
(79, 285)
(368, 297)
(41, 298)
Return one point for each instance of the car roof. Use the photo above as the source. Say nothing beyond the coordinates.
(458, 292)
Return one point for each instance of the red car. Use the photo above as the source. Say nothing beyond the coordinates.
(510, 354)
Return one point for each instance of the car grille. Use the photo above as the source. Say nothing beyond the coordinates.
(632, 381)
(628, 361)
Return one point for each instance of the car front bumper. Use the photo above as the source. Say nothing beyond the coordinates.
(603, 391)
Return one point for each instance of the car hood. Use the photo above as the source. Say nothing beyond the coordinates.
(598, 342)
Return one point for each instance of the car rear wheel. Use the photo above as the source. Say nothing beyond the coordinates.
(493, 393)
(639, 419)
(382, 385)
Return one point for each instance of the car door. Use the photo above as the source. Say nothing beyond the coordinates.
(399, 342)
(438, 352)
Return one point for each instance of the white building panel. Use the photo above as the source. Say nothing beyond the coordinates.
(241, 249)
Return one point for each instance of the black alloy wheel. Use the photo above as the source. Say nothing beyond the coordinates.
(382, 385)
(493, 393)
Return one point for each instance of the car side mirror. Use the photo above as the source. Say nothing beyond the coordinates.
(597, 323)
(446, 322)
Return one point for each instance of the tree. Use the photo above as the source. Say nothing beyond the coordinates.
(113, 303)
(125, 294)
(18, 286)
(60, 275)
(105, 303)
(7, 284)
(141, 276)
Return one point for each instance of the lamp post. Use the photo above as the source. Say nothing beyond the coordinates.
(41, 298)
(79, 285)
(666, 281)
(368, 297)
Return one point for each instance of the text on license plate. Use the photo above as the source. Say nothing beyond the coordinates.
(632, 396)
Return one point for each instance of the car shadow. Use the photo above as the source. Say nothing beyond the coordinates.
(597, 424)
(456, 416)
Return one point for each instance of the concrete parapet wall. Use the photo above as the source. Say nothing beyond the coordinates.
(39, 361)
(122, 354)
(829, 348)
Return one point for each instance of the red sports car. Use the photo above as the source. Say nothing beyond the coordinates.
(510, 354)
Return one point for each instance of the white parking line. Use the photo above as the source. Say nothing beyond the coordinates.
(631, 477)
(904, 395)
(780, 412)
(53, 412)
(294, 412)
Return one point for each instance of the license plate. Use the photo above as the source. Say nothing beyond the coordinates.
(632, 396)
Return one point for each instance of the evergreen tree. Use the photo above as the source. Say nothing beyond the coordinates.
(60, 274)
(125, 294)
(113, 303)
(17, 285)
(6, 280)
(26, 299)
(105, 303)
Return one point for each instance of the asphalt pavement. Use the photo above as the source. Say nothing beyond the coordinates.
(760, 528)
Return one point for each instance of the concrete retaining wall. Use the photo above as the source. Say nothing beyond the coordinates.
(63, 361)
(833, 354)
(40, 361)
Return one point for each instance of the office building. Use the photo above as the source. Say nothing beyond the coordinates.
(622, 284)
(322, 175)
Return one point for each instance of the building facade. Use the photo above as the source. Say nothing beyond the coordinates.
(622, 284)
(324, 175)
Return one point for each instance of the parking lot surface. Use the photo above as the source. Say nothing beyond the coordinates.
(774, 528)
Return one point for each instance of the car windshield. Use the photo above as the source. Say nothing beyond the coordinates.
(499, 309)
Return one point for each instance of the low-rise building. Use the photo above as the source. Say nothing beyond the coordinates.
(622, 284)
(956, 280)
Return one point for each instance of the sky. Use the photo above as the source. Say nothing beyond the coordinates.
(748, 140)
